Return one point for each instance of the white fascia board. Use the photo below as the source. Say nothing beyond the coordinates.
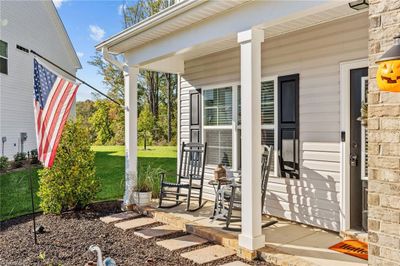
(62, 31)
(257, 14)
(150, 22)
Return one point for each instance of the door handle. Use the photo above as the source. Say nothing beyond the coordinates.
(353, 160)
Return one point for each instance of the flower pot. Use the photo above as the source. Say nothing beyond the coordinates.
(142, 198)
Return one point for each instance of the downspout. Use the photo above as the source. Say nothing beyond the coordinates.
(111, 58)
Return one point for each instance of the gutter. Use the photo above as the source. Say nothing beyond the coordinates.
(150, 22)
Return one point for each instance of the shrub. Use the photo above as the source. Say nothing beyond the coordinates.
(19, 159)
(3, 163)
(34, 156)
(71, 183)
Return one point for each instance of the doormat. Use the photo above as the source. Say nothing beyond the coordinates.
(352, 247)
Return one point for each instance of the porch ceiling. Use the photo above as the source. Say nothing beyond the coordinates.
(272, 30)
(192, 29)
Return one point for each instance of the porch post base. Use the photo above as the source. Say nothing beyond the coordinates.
(251, 243)
(246, 254)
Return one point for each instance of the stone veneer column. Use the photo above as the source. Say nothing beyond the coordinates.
(384, 142)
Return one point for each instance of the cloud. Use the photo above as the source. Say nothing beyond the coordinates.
(80, 54)
(121, 9)
(58, 3)
(96, 33)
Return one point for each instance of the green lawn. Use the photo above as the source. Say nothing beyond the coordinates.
(14, 187)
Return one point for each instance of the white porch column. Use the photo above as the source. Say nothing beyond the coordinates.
(251, 237)
(131, 79)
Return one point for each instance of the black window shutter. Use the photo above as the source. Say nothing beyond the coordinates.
(288, 125)
(195, 116)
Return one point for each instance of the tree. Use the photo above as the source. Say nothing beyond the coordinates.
(145, 124)
(84, 110)
(113, 77)
(170, 84)
(133, 14)
(71, 183)
(101, 122)
(156, 91)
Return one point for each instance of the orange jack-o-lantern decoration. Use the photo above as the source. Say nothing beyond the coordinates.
(388, 75)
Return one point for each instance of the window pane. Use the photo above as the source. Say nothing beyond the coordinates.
(3, 49)
(3, 66)
(267, 102)
(218, 107)
(267, 138)
(219, 146)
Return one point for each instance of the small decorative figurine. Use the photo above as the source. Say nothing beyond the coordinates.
(219, 172)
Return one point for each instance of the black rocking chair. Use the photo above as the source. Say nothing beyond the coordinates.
(235, 198)
(190, 178)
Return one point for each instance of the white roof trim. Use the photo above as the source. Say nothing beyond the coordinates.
(64, 34)
(164, 15)
(149, 22)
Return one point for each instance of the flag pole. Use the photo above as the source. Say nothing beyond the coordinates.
(33, 203)
(75, 77)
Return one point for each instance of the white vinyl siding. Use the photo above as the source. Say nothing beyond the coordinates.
(34, 25)
(315, 53)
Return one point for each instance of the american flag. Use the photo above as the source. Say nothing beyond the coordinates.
(53, 99)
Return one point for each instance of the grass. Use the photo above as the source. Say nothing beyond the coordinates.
(110, 168)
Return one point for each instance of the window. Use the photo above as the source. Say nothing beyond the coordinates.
(268, 113)
(268, 117)
(222, 124)
(3, 57)
(218, 125)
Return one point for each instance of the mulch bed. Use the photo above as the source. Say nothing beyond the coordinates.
(68, 237)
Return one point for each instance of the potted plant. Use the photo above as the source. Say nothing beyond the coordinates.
(148, 185)
(142, 191)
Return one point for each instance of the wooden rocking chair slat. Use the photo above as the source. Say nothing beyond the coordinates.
(191, 171)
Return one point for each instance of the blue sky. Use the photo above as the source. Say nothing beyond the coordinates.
(88, 23)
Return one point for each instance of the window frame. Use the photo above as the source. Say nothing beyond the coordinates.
(274, 78)
(6, 58)
(236, 127)
(233, 126)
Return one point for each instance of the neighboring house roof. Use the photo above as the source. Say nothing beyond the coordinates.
(179, 15)
(59, 25)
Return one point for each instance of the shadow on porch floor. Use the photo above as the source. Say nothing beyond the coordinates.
(287, 242)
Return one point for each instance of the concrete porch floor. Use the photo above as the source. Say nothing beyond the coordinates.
(287, 243)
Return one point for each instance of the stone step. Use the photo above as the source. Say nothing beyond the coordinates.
(135, 223)
(158, 231)
(182, 242)
(117, 217)
(235, 263)
(208, 254)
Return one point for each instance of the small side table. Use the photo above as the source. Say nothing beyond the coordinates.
(219, 211)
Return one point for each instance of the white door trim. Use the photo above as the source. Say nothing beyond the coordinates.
(345, 68)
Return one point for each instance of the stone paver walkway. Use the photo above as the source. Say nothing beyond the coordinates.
(117, 217)
(235, 263)
(158, 231)
(182, 242)
(208, 254)
(135, 223)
